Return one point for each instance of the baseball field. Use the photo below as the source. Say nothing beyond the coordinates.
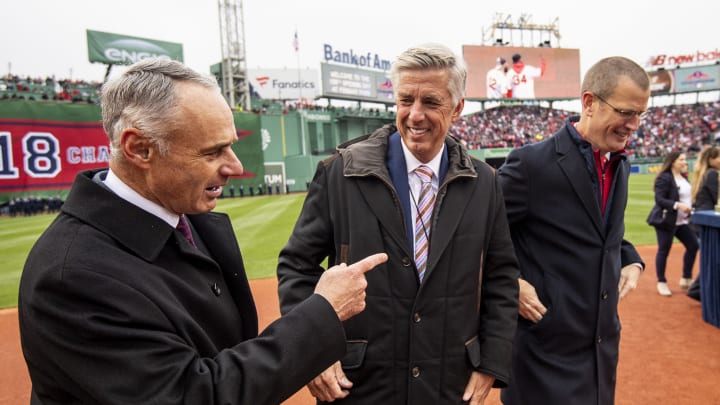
(668, 354)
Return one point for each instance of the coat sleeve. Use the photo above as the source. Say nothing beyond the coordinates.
(311, 242)
(629, 255)
(111, 344)
(663, 188)
(515, 187)
(499, 303)
(711, 181)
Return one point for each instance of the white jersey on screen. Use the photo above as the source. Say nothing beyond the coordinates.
(498, 83)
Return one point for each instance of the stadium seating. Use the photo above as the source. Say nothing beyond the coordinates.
(685, 127)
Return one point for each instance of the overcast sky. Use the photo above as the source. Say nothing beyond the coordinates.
(48, 37)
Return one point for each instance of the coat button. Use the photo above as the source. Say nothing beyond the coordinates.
(406, 262)
(215, 289)
(604, 295)
(415, 372)
(599, 339)
(416, 317)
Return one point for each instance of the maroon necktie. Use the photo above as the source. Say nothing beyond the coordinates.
(184, 229)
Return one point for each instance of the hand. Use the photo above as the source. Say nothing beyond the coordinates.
(529, 305)
(629, 276)
(331, 384)
(684, 208)
(344, 286)
(478, 388)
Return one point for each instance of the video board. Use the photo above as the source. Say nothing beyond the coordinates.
(528, 73)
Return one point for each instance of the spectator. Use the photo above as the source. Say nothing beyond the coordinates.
(674, 197)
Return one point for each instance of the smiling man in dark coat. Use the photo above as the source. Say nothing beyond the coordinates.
(437, 330)
(566, 199)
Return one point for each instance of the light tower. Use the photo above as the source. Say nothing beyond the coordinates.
(234, 64)
(505, 24)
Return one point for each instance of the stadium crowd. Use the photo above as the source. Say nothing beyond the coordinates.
(682, 127)
(14, 87)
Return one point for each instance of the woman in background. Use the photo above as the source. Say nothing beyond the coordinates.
(705, 179)
(704, 193)
(673, 193)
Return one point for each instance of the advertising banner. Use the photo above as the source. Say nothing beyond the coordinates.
(497, 72)
(685, 80)
(661, 82)
(116, 49)
(46, 155)
(348, 83)
(284, 84)
(699, 78)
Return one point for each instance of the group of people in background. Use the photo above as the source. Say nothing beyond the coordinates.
(684, 127)
(14, 87)
(676, 198)
(31, 205)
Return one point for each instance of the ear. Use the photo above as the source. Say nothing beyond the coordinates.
(458, 110)
(136, 147)
(587, 100)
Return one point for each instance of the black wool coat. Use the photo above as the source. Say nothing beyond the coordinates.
(572, 255)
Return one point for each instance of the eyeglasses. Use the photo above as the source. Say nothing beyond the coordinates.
(627, 114)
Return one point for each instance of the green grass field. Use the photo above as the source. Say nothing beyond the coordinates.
(262, 225)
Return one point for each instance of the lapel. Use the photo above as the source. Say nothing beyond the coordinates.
(617, 202)
(380, 198)
(450, 207)
(91, 201)
(397, 167)
(571, 162)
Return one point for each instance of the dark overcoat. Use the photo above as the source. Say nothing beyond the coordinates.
(415, 343)
(707, 196)
(116, 307)
(572, 255)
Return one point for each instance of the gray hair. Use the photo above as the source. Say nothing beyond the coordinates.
(145, 97)
(433, 56)
(603, 76)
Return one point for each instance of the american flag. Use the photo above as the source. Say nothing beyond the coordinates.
(296, 44)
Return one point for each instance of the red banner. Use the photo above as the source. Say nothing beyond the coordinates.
(40, 155)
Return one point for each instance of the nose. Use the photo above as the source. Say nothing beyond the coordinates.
(232, 166)
(417, 112)
(633, 122)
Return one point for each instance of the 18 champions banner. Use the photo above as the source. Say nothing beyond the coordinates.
(43, 146)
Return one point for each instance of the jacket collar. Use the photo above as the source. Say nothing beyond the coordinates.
(367, 156)
(92, 202)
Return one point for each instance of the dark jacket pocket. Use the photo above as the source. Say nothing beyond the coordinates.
(354, 354)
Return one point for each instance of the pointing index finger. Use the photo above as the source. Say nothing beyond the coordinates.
(371, 262)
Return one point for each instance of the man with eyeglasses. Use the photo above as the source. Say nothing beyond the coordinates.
(565, 200)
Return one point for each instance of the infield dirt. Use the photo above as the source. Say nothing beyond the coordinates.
(668, 354)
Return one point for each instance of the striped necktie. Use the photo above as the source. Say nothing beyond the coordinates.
(184, 229)
(424, 207)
